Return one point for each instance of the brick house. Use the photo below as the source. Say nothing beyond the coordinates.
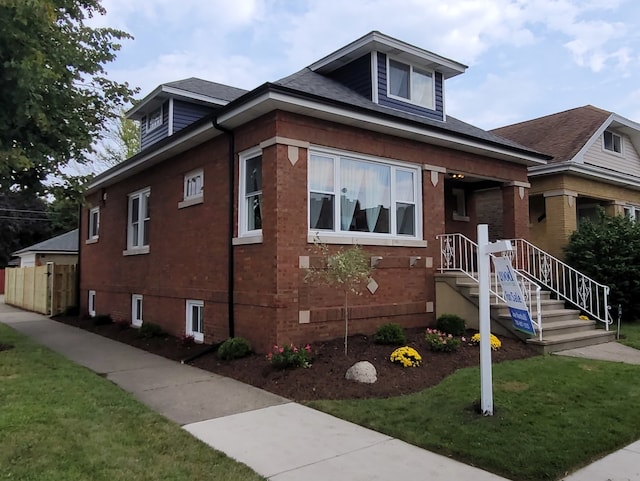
(596, 163)
(208, 230)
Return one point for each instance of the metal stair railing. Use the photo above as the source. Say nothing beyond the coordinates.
(459, 253)
(566, 282)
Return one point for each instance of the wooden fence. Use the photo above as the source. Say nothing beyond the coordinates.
(46, 289)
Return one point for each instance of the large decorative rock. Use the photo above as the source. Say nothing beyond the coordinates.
(362, 371)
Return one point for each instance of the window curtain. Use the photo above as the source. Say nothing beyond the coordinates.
(376, 194)
(350, 181)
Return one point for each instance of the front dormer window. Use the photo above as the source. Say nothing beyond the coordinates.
(612, 142)
(155, 119)
(410, 83)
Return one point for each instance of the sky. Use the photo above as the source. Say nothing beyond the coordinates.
(525, 59)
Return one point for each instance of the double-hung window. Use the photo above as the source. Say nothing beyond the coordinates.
(94, 223)
(193, 184)
(351, 194)
(410, 83)
(250, 221)
(612, 142)
(154, 120)
(195, 320)
(138, 221)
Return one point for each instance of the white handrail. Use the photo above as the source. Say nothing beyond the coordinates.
(569, 284)
(459, 253)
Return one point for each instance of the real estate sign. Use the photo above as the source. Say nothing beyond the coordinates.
(512, 294)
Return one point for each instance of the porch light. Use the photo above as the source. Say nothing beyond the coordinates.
(456, 176)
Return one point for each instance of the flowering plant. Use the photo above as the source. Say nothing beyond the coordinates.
(495, 342)
(441, 342)
(290, 356)
(406, 356)
(583, 318)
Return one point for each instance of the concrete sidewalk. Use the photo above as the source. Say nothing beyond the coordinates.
(279, 439)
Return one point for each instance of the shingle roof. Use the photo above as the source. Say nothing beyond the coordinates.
(561, 135)
(63, 243)
(210, 89)
(308, 82)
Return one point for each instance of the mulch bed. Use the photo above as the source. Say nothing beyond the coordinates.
(325, 378)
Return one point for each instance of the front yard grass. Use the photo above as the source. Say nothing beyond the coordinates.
(630, 334)
(552, 415)
(60, 421)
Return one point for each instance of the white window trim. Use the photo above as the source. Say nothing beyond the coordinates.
(632, 211)
(149, 127)
(90, 235)
(198, 198)
(143, 248)
(197, 336)
(92, 303)
(337, 236)
(409, 100)
(242, 205)
(613, 152)
(135, 322)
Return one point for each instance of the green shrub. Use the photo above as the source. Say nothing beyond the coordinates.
(451, 324)
(441, 342)
(607, 249)
(102, 320)
(391, 334)
(234, 348)
(290, 356)
(149, 330)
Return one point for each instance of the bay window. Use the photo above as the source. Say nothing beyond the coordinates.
(351, 194)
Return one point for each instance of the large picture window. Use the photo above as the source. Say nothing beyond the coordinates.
(410, 83)
(139, 218)
(251, 194)
(348, 194)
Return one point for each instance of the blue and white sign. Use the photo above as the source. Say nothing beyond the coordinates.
(512, 294)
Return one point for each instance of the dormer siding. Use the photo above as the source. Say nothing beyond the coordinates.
(383, 98)
(185, 113)
(148, 137)
(356, 75)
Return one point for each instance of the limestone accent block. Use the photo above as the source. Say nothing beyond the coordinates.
(363, 372)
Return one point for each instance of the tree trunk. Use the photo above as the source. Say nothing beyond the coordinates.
(346, 320)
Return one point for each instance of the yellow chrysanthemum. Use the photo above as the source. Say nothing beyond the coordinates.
(495, 342)
(406, 356)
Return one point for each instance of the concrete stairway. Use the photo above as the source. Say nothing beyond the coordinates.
(561, 327)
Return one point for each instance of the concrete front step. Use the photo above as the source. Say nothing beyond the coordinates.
(562, 342)
(549, 316)
(567, 327)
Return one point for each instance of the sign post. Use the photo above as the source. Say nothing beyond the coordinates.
(484, 314)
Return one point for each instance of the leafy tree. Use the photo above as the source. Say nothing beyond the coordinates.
(121, 142)
(348, 270)
(63, 210)
(54, 94)
(23, 222)
(607, 249)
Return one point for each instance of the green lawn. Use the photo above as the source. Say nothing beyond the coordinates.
(630, 334)
(59, 421)
(552, 415)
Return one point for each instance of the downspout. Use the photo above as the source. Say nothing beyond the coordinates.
(230, 259)
(77, 286)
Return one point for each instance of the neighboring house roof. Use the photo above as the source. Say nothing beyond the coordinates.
(192, 89)
(561, 135)
(62, 244)
(569, 136)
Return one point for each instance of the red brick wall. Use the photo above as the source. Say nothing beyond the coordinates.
(188, 247)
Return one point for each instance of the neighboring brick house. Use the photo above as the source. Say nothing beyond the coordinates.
(208, 230)
(596, 162)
